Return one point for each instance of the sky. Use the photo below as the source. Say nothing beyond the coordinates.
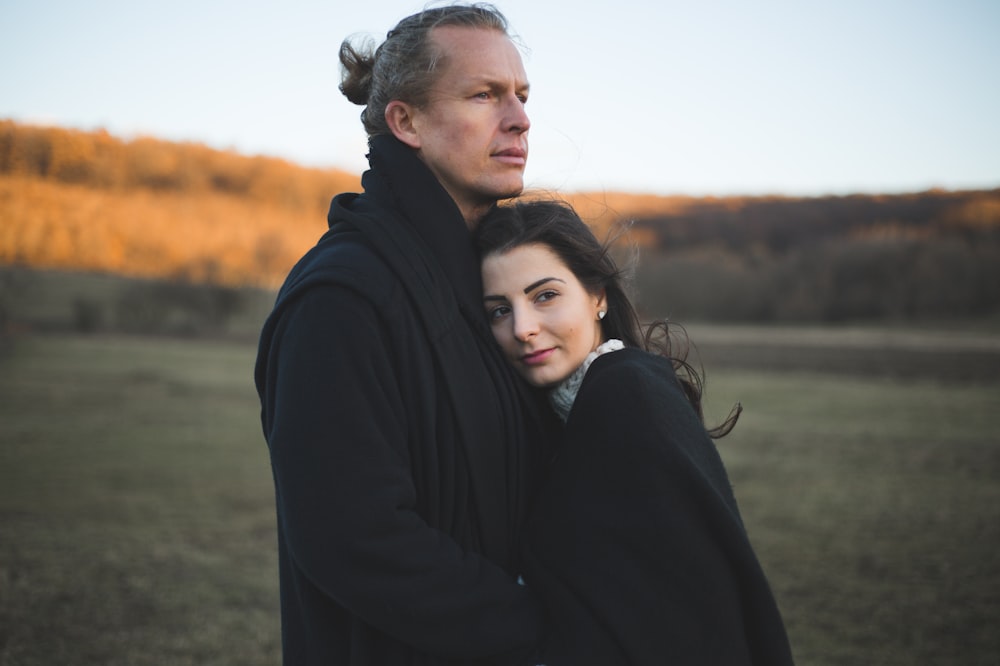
(709, 98)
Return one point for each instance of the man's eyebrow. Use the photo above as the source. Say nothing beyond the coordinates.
(498, 83)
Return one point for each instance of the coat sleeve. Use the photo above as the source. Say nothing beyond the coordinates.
(636, 544)
(346, 500)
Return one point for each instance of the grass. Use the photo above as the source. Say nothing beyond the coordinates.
(875, 507)
(137, 525)
(136, 515)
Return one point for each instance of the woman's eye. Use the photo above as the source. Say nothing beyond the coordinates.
(546, 296)
(496, 313)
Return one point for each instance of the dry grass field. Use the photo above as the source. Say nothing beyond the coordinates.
(136, 518)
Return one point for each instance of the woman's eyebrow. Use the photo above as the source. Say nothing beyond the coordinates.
(539, 283)
(528, 289)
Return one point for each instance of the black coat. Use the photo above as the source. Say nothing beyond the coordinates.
(636, 543)
(398, 438)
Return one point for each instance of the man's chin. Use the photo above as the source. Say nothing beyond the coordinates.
(511, 194)
(511, 191)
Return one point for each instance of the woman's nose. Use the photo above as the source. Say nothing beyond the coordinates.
(525, 326)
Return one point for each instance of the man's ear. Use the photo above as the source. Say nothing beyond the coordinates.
(399, 118)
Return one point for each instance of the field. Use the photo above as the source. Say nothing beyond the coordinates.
(137, 527)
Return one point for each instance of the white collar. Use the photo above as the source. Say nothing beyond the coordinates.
(562, 396)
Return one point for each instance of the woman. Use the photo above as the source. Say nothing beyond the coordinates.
(634, 541)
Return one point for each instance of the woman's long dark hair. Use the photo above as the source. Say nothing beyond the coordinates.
(557, 226)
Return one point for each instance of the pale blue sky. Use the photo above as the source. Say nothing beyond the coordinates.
(801, 98)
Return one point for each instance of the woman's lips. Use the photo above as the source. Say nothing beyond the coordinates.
(534, 358)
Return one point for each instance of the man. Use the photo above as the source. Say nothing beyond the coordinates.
(402, 447)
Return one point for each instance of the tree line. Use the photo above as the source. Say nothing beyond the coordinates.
(88, 201)
(96, 159)
(918, 256)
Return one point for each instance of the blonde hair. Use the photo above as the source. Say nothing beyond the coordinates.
(404, 66)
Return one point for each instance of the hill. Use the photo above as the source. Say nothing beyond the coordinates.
(88, 201)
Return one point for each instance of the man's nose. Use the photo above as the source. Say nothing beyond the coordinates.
(516, 117)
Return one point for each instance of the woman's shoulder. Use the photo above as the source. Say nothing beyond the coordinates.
(636, 396)
(630, 365)
(628, 381)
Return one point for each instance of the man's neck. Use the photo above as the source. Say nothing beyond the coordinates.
(473, 214)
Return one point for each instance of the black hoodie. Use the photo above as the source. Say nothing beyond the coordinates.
(402, 445)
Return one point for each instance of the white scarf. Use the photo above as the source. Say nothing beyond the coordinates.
(562, 396)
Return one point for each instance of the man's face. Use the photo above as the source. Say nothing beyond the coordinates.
(473, 132)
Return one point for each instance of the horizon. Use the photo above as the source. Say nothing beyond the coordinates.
(628, 194)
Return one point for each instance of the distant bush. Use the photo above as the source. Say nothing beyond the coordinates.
(836, 280)
(176, 308)
(88, 315)
(55, 301)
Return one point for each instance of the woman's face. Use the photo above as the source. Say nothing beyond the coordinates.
(544, 319)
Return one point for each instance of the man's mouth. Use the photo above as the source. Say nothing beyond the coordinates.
(515, 156)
